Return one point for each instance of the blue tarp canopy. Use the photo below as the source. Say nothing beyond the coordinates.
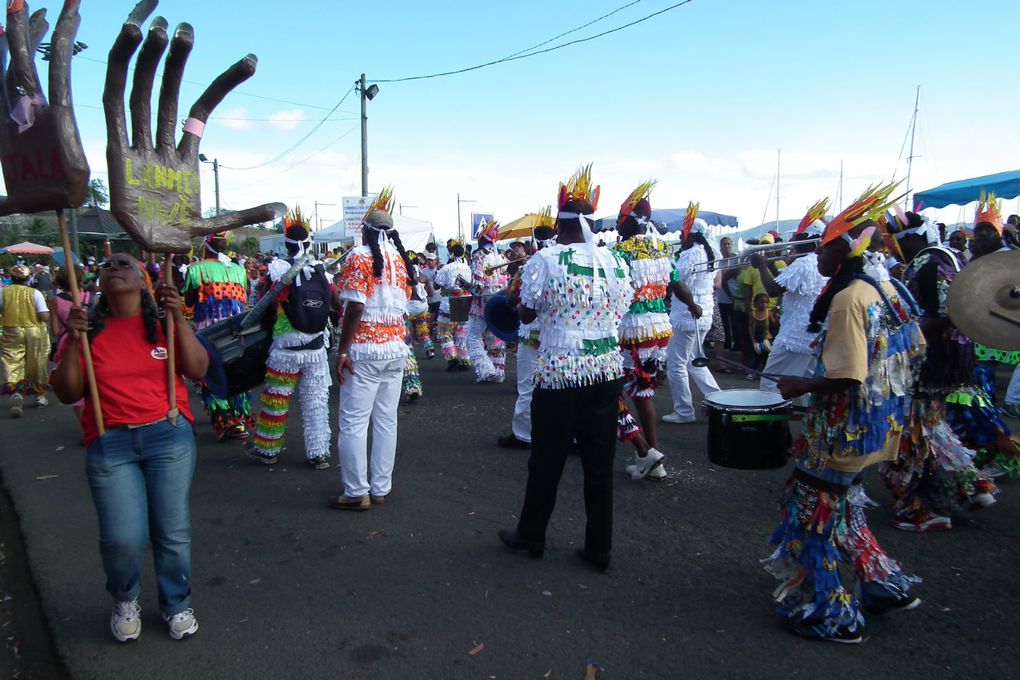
(964, 191)
(58, 257)
(673, 220)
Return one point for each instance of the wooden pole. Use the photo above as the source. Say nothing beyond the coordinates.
(86, 350)
(171, 357)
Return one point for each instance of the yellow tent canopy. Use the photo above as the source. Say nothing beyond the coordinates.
(522, 227)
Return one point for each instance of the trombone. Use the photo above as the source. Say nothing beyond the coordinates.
(742, 258)
(491, 268)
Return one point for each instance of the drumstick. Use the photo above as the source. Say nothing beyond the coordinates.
(86, 350)
(171, 369)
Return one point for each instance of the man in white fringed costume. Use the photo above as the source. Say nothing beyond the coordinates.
(488, 353)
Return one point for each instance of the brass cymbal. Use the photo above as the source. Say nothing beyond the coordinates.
(984, 300)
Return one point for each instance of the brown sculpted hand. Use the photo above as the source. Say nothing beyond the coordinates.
(154, 184)
(40, 150)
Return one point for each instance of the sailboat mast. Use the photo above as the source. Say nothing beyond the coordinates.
(840, 192)
(779, 153)
(910, 156)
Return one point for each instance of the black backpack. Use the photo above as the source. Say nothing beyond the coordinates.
(307, 305)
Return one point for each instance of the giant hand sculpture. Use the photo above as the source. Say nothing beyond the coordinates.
(43, 162)
(154, 190)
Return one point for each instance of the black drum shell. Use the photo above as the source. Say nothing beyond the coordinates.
(237, 361)
(754, 444)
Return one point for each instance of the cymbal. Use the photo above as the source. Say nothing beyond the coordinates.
(984, 300)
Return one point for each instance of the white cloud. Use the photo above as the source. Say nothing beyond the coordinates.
(287, 119)
(688, 160)
(236, 118)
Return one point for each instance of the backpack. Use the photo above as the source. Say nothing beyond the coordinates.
(307, 306)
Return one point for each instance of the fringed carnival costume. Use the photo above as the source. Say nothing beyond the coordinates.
(418, 310)
(296, 356)
(793, 350)
(692, 265)
(216, 289)
(488, 353)
(454, 278)
(645, 329)
(872, 341)
(375, 288)
(935, 471)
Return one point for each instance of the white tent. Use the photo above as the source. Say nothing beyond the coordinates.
(414, 234)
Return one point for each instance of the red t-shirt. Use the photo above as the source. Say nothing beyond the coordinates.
(131, 376)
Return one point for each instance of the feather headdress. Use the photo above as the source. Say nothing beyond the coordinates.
(489, 231)
(579, 187)
(294, 218)
(637, 203)
(989, 210)
(383, 202)
(689, 217)
(868, 206)
(814, 214)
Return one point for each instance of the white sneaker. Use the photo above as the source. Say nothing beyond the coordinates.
(643, 465)
(657, 473)
(41, 401)
(992, 470)
(182, 624)
(678, 419)
(126, 620)
(17, 405)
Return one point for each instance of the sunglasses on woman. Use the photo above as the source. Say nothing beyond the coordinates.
(117, 263)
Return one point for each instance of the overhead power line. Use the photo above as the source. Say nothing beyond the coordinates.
(535, 53)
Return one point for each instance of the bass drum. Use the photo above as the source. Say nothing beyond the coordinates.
(748, 429)
(237, 359)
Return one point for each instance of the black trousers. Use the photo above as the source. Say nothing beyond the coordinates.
(587, 414)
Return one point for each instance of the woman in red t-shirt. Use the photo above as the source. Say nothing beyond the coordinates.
(140, 469)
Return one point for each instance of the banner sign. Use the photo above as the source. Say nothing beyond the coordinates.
(355, 208)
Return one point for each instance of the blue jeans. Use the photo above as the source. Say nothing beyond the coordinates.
(140, 480)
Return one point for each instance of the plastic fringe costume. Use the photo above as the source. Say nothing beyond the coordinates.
(452, 335)
(289, 365)
(488, 353)
(411, 384)
(818, 527)
(221, 290)
(422, 332)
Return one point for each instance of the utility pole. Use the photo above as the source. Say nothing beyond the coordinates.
(364, 138)
(401, 207)
(318, 220)
(460, 229)
(779, 154)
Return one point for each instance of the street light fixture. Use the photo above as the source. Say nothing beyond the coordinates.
(216, 177)
(367, 94)
(401, 206)
(460, 229)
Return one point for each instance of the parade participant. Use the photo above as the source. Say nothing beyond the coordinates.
(429, 271)
(140, 469)
(724, 297)
(375, 288)
(799, 284)
(60, 308)
(418, 307)
(454, 281)
(25, 344)
(488, 277)
(527, 347)
(298, 355)
(645, 329)
(859, 405)
(690, 320)
(935, 469)
(577, 293)
(215, 289)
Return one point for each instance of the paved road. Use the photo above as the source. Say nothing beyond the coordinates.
(285, 587)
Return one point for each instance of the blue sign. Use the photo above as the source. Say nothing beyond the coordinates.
(477, 219)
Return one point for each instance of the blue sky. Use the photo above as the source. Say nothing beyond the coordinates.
(700, 97)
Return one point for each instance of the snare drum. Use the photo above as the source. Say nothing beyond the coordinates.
(748, 429)
(460, 307)
(237, 360)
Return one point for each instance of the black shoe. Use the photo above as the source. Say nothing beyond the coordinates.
(452, 365)
(512, 541)
(511, 441)
(600, 562)
(843, 634)
(463, 367)
(876, 605)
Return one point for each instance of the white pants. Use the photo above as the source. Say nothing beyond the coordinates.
(527, 359)
(679, 353)
(783, 361)
(372, 392)
(1013, 391)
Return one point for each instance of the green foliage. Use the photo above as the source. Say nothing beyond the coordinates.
(99, 195)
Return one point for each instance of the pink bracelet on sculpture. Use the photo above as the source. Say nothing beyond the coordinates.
(195, 127)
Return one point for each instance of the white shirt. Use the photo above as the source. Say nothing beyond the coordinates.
(803, 284)
(700, 284)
